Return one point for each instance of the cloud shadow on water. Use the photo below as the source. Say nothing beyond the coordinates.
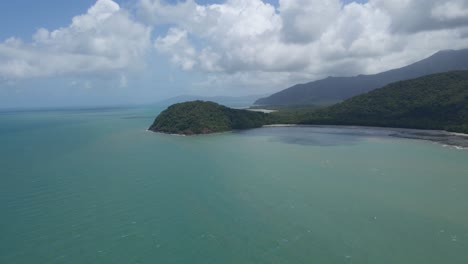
(308, 136)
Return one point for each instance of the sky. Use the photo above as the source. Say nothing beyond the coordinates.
(90, 53)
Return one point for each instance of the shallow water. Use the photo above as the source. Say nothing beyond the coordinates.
(95, 187)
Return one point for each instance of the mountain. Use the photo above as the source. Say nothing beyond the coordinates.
(200, 117)
(336, 89)
(438, 101)
(231, 101)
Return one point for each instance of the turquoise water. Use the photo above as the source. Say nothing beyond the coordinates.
(95, 187)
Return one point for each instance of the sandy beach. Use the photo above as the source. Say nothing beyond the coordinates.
(266, 111)
(458, 134)
(281, 125)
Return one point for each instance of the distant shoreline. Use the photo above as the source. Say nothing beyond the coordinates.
(456, 133)
(261, 110)
(283, 125)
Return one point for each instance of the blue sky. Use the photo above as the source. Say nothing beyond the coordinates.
(87, 52)
(24, 17)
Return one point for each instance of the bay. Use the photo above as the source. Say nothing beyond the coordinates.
(93, 186)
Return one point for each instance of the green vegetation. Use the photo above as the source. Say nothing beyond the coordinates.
(438, 101)
(200, 117)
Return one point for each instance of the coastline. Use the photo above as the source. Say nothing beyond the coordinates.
(261, 110)
(282, 125)
(188, 135)
(443, 137)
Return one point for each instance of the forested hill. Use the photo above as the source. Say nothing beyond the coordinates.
(200, 117)
(438, 101)
(336, 89)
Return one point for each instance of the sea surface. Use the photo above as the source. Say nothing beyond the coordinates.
(93, 186)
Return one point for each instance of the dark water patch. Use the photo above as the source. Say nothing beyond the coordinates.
(348, 135)
(438, 136)
(306, 135)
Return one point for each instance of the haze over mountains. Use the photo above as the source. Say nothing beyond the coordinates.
(336, 89)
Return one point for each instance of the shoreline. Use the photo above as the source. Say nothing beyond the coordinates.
(375, 127)
(282, 125)
(428, 131)
(442, 137)
(261, 110)
(188, 135)
(456, 133)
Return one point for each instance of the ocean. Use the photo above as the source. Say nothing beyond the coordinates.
(93, 186)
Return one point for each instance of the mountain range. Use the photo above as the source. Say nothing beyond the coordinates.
(437, 101)
(336, 89)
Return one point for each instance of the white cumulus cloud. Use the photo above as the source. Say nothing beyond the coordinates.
(305, 38)
(410, 16)
(177, 44)
(105, 40)
(241, 43)
(307, 20)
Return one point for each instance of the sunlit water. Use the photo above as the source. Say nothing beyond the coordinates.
(96, 187)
